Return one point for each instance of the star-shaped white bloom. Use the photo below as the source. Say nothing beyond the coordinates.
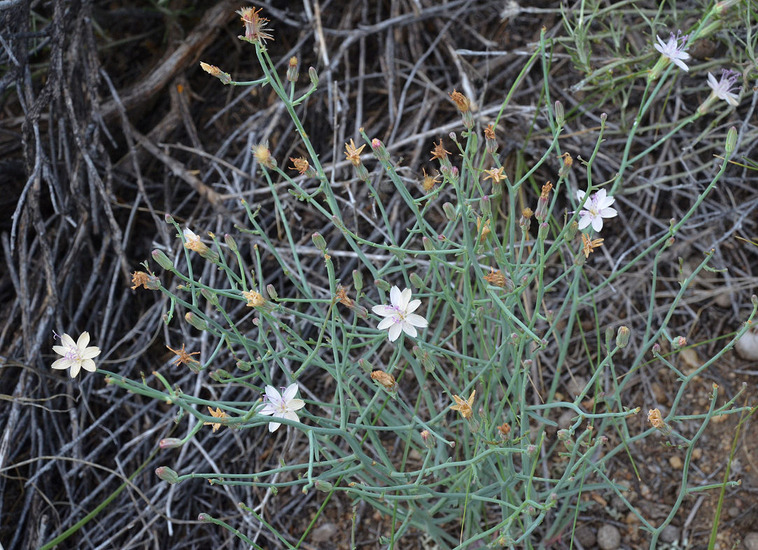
(76, 355)
(282, 405)
(399, 316)
(674, 49)
(595, 209)
(722, 88)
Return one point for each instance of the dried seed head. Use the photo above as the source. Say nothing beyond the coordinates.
(255, 26)
(385, 379)
(655, 419)
(299, 164)
(353, 153)
(496, 175)
(439, 152)
(461, 101)
(262, 154)
(254, 299)
(428, 182)
(496, 278)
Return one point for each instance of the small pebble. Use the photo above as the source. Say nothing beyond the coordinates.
(585, 536)
(670, 534)
(608, 537)
(750, 542)
(324, 532)
(676, 462)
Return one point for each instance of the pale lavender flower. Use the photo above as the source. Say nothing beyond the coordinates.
(595, 209)
(76, 355)
(282, 405)
(399, 316)
(722, 88)
(674, 49)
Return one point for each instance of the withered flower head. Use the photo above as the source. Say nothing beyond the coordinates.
(567, 160)
(485, 229)
(353, 153)
(142, 279)
(254, 299)
(546, 190)
(589, 245)
(495, 174)
(463, 406)
(299, 164)
(343, 298)
(439, 151)
(504, 430)
(218, 413)
(461, 101)
(428, 182)
(385, 379)
(496, 278)
(262, 154)
(489, 132)
(255, 25)
(655, 419)
(184, 357)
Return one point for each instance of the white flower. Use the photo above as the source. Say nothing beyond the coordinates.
(399, 316)
(595, 209)
(76, 355)
(722, 88)
(674, 49)
(282, 405)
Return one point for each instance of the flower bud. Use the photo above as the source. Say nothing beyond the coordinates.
(543, 231)
(231, 243)
(622, 337)
(162, 260)
(357, 281)
(196, 321)
(560, 117)
(292, 69)
(382, 285)
(170, 443)
(449, 211)
(313, 76)
(319, 242)
(380, 150)
(731, 139)
(486, 204)
(416, 281)
(167, 474)
(323, 486)
(271, 291)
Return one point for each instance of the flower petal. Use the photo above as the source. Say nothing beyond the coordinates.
(83, 340)
(416, 320)
(89, 365)
(290, 393)
(386, 323)
(296, 404)
(585, 219)
(384, 311)
(410, 330)
(597, 224)
(61, 363)
(395, 296)
(394, 331)
(405, 298)
(273, 426)
(67, 341)
(273, 395)
(412, 306)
